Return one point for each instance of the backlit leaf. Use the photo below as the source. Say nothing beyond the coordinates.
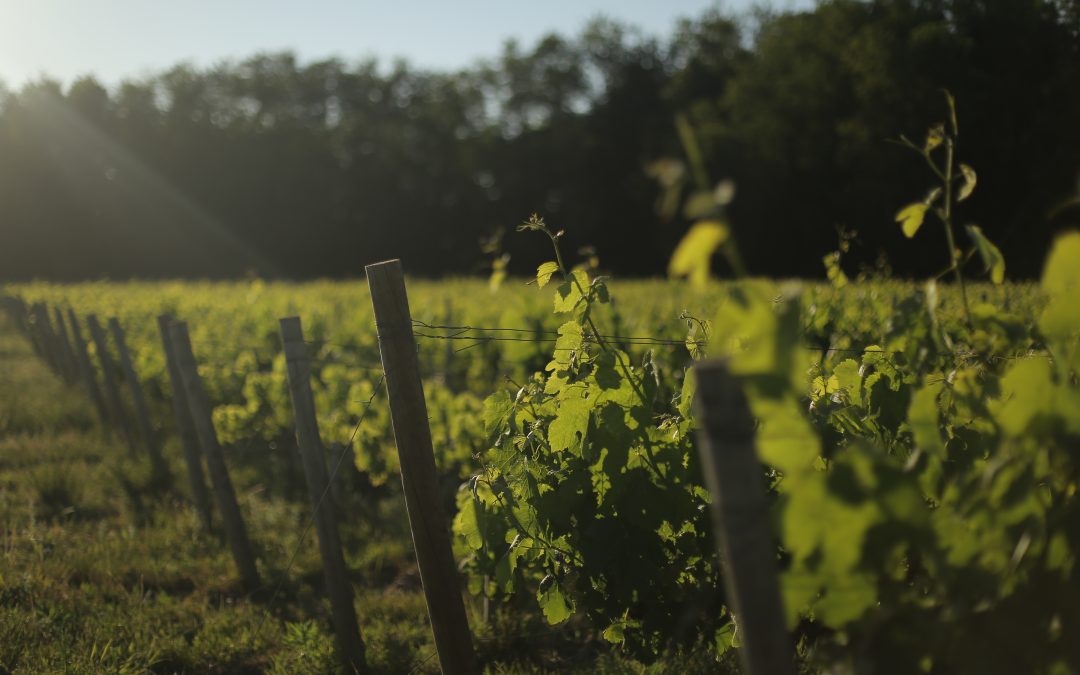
(544, 272)
(567, 297)
(934, 138)
(924, 418)
(691, 257)
(849, 380)
(615, 633)
(467, 522)
(911, 218)
(571, 339)
(557, 606)
(1027, 396)
(968, 186)
(993, 261)
(496, 408)
(1061, 276)
(1061, 284)
(568, 429)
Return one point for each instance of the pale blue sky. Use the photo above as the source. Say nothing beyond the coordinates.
(114, 39)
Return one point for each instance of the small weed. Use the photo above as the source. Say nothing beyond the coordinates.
(307, 649)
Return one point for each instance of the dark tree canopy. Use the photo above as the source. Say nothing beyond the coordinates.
(281, 168)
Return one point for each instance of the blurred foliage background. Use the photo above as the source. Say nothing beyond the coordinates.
(275, 167)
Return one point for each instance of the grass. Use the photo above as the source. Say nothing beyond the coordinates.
(102, 569)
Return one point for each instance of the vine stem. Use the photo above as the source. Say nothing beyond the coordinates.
(954, 255)
(600, 340)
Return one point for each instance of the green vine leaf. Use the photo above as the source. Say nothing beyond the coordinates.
(571, 340)
(1061, 284)
(968, 186)
(991, 256)
(467, 522)
(497, 408)
(692, 255)
(924, 419)
(934, 138)
(557, 606)
(544, 273)
(911, 218)
(615, 633)
(849, 380)
(568, 295)
(1027, 397)
(567, 431)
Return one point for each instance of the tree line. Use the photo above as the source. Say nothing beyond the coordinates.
(275, 167)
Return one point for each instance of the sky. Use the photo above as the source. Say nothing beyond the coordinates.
(118, 39)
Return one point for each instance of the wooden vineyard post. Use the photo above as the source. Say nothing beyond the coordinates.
(112, 391)
(408, 414)
(189, 442)
(44, 336)
(339, 482)
(30, 319)
(67, 353)
(349, 641)
(86, 368)
(16, 309)
(138, 399)
(21, 314)
(740, 513)
(199, 407)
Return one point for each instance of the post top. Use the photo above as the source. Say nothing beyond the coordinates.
(717, 365)
(290, 329)
(384, 263)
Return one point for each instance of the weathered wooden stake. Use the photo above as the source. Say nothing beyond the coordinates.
(86, 368)
(350, 643)
(138, 399)
(67, 354)
(21, 314)
(189, 441)
(340, 481)
(33, 331)
(740, 512)
(8, 304)
(53, 344)
(16, 309)
(112, 391)
(44, 336)
(408, 414)
(199, 407)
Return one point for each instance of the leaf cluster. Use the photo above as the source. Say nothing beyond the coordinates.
(589, 496)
